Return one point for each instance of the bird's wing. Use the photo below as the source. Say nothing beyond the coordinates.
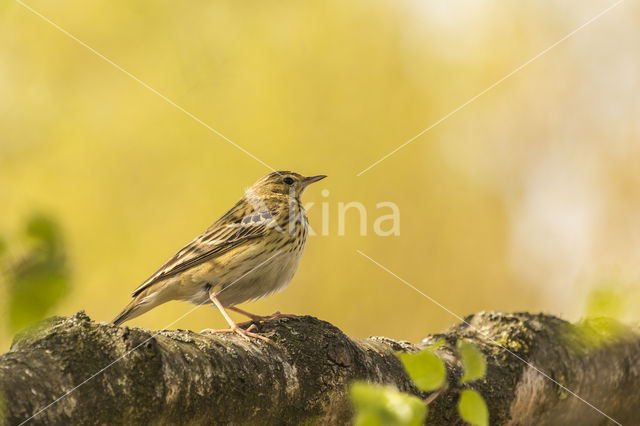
(228, 232)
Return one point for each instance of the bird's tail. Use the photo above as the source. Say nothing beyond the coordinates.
(124, 315)
(136, 307)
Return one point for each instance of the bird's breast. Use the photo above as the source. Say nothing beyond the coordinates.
(260, 269)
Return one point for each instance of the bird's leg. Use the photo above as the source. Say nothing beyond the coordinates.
(258, 318)
(233, 327)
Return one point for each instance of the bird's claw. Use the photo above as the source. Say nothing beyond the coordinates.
(246, 334)
(259, 318)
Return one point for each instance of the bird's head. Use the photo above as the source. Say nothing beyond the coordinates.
(283, 183)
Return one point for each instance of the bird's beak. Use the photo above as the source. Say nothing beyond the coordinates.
(311, 179)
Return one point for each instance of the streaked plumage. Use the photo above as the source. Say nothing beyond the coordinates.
(252, 251)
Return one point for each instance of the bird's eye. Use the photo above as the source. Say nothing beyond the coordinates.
(288, 181)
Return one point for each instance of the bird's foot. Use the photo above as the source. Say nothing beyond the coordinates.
(257, 318)
(273, 316)
(245, 333)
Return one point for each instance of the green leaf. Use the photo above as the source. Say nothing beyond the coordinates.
(378, 405)
(472, 408)
(473, 362)
(425, 369)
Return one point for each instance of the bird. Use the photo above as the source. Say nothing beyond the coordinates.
(250, 252)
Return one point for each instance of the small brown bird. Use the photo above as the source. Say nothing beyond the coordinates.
(252, 251)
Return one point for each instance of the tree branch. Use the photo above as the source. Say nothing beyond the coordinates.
(180, 377)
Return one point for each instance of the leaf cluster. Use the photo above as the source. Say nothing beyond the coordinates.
(384, 405)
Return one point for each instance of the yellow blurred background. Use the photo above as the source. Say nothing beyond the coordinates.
(525, 199)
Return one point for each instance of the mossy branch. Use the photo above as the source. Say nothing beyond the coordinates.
(182, 377)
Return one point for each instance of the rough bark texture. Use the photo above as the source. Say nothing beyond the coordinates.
(134, 376)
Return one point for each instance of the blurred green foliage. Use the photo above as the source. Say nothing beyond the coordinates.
(377, 405)
(472, 408)
(596, 332)
(3, 247)
(607, 300)
(606, 311)
(38, 278)
(473, 362)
